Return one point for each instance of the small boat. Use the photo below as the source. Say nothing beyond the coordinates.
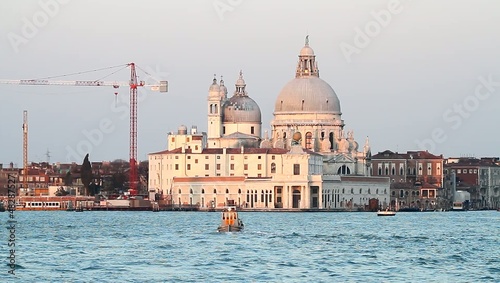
(386, 212)
(230, 221)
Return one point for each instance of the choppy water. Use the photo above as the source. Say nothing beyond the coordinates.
(275, 247)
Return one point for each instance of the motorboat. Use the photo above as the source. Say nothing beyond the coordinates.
(230, 221)
(386, 212)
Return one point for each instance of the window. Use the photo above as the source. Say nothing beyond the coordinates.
(215, 191)
(259, 166)
(189, 167)
(273, 157)
(196, 161)
(218, 166)
(232, 157)
(176, 166)
(187, 139)
(218, 156)
(206, 157)
(252, 130)
(227, 191)
(296, 169)
(246, 157)
(207, 167)
(231, 166)
(459, 171)
(224, 130)
(259, 175)
(309, 144)
(189, 157)
(259, 157)
(177, 157)
(245, 167)
(470, 171)
(273, 167)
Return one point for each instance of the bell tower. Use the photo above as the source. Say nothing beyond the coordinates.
(216, 98)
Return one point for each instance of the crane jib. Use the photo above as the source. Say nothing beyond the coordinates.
(75, 83)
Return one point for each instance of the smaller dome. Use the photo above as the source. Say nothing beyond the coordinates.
(223, 88)
(214, 87)
(241, 109)
(306, 51)
(182, 130)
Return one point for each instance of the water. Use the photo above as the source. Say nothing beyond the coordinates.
(275, 247)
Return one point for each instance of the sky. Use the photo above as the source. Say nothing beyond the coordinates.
(410, 75)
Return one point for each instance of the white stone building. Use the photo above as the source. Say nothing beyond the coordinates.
(307, 163)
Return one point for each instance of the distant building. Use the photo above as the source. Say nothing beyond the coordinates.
(308, 162)
(416, 176)
(478, 176)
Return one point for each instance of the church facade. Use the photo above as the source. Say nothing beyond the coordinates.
(308, 162)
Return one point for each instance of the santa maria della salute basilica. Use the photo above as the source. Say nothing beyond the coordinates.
(307, 162)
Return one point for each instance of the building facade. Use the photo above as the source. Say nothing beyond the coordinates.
(308, 162)
(478, 176)
(416, 177)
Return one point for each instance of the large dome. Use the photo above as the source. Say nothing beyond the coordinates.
(307, 94)
(241, 109)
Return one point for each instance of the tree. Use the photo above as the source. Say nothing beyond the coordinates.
(86, 174)
(118, 179)
(61, 192)
(68, 179)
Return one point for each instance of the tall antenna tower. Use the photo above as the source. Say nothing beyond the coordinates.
(25, 149)
(47, 154)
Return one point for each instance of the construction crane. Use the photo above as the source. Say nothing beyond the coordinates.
(133, 83)
(25, 149)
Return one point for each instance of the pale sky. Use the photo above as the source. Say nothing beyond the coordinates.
(409, 74)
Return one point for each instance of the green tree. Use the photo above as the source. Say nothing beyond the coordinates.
(68, 179)
(86, 174)
(118, 179)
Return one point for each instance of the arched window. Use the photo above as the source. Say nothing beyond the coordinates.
(401, 171)
(309, 144)
(380, 171)
(344, 170)
(227, 191)
(180, 191)
(202, 191)
(273, 167)
(215, 191)
(191, 191)
(239, 191)
(393, 171)
(386, 171)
